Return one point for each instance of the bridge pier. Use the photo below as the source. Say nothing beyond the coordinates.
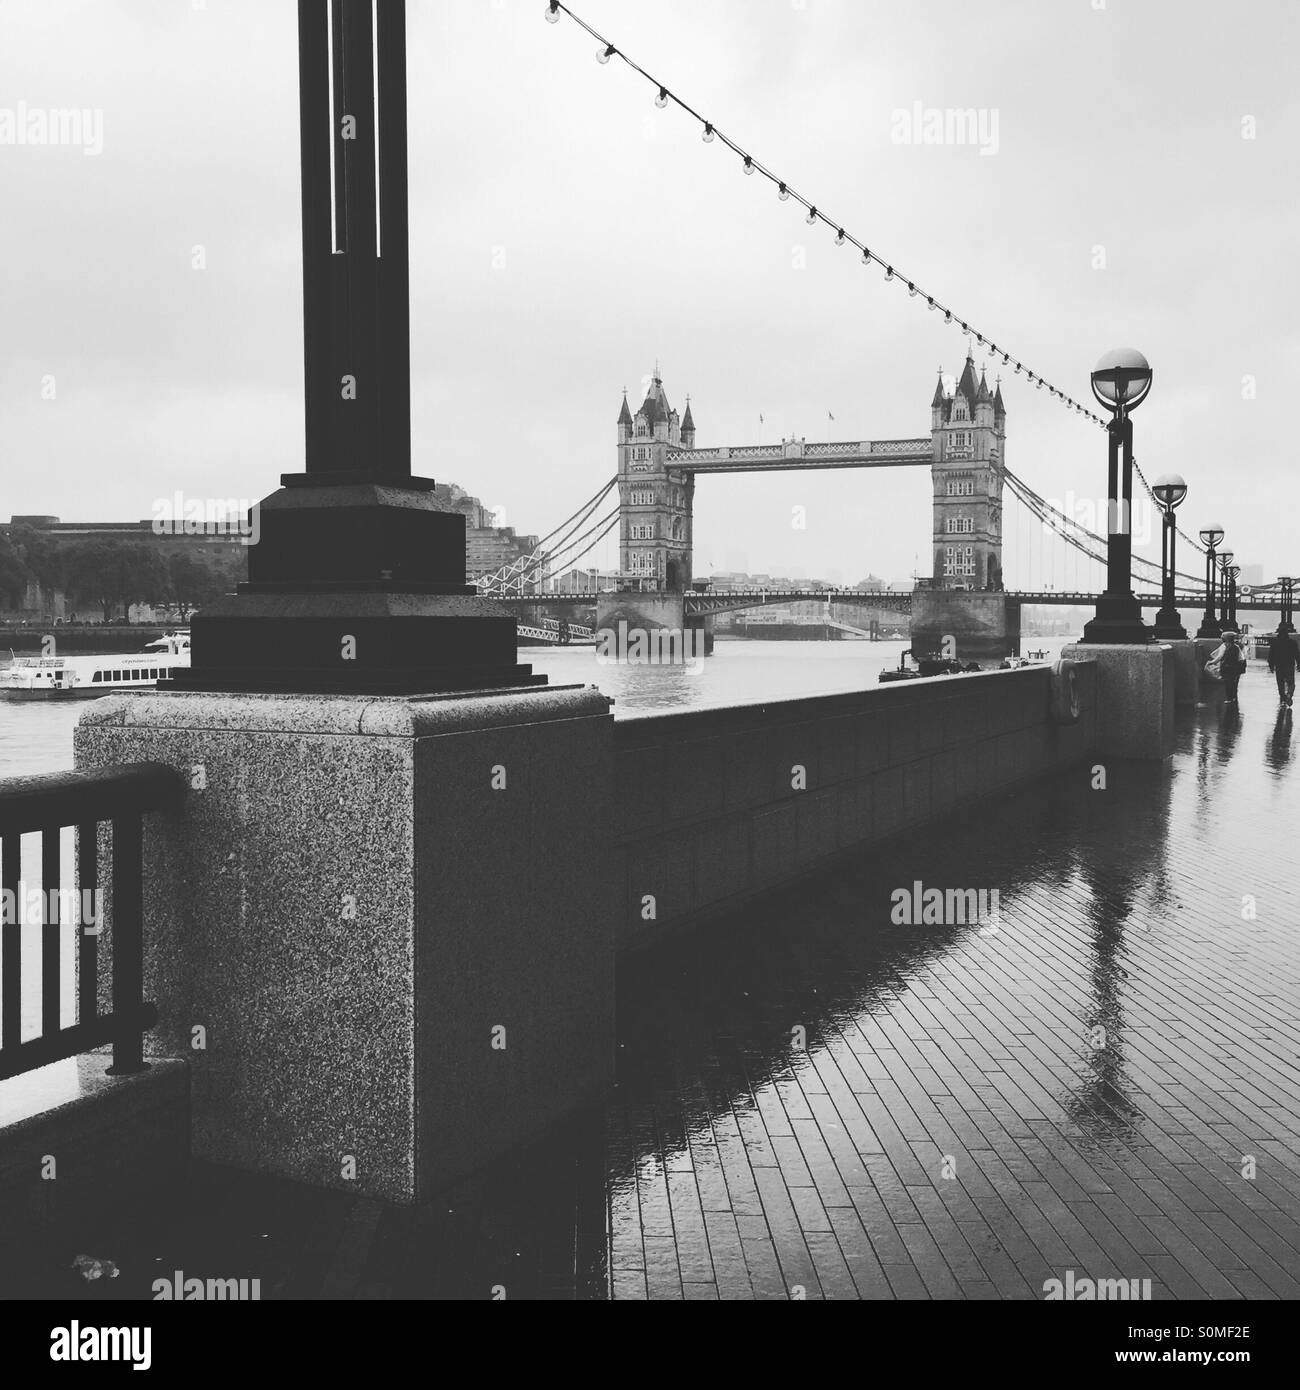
(983, 626)
(625, 622)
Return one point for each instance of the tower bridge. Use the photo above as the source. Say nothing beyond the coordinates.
(658, 463)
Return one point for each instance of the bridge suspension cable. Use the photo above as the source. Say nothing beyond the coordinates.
(538, 564)
(570, 553)
(1050, 517)
(581, 515)
(513, 576)
(1058, 521)
(608, 50)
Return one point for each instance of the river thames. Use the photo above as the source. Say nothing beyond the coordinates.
(37, 737)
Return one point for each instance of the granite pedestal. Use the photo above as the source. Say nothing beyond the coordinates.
(1135, 697)
(1187, 671)
(372, 927)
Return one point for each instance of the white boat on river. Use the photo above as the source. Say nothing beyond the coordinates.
(86, 677)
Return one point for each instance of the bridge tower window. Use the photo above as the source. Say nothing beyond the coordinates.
(959, 562)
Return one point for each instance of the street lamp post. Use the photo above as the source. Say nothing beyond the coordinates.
(1169, 490)
(1120, 382)
(1233, 572)
(357, 584)
(1210, 538)
(1225, 559)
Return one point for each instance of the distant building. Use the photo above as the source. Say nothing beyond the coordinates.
(52, 528)
(732, 581)
(488, 547)
(579, 581)
(456, 499)
(215, 543)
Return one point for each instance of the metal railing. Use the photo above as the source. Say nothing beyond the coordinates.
(47, 805)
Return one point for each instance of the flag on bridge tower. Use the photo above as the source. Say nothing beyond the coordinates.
(829, 416)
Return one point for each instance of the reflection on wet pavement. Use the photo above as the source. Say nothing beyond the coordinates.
(814, 1101)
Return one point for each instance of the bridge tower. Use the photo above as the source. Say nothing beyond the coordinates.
(969, 429)
(656, 499)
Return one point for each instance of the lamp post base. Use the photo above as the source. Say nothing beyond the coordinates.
(1118, 622)
(1168, 626)
(1210, 627)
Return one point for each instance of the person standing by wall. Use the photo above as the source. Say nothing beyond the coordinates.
(1231, 664)
(1283, 658)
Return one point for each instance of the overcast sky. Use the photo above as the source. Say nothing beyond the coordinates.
(565, 234)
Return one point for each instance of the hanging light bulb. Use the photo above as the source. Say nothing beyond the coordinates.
(783, 192)
(1017, 368)
(911, 289)
(553, 12)
(947, 316)
(605, 53)
(662, 99)
(839, 237)
(930, 300)
(707, 137)
(749, 165)
(811, 219)
(866, 256)
(889, 272)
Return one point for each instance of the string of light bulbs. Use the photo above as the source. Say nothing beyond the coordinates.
(663, 95)
(815, 214)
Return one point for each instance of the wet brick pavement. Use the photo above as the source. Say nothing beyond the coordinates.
(734, 1163)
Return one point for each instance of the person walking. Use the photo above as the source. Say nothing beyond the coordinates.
(1283, 658)
(1231, 664)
